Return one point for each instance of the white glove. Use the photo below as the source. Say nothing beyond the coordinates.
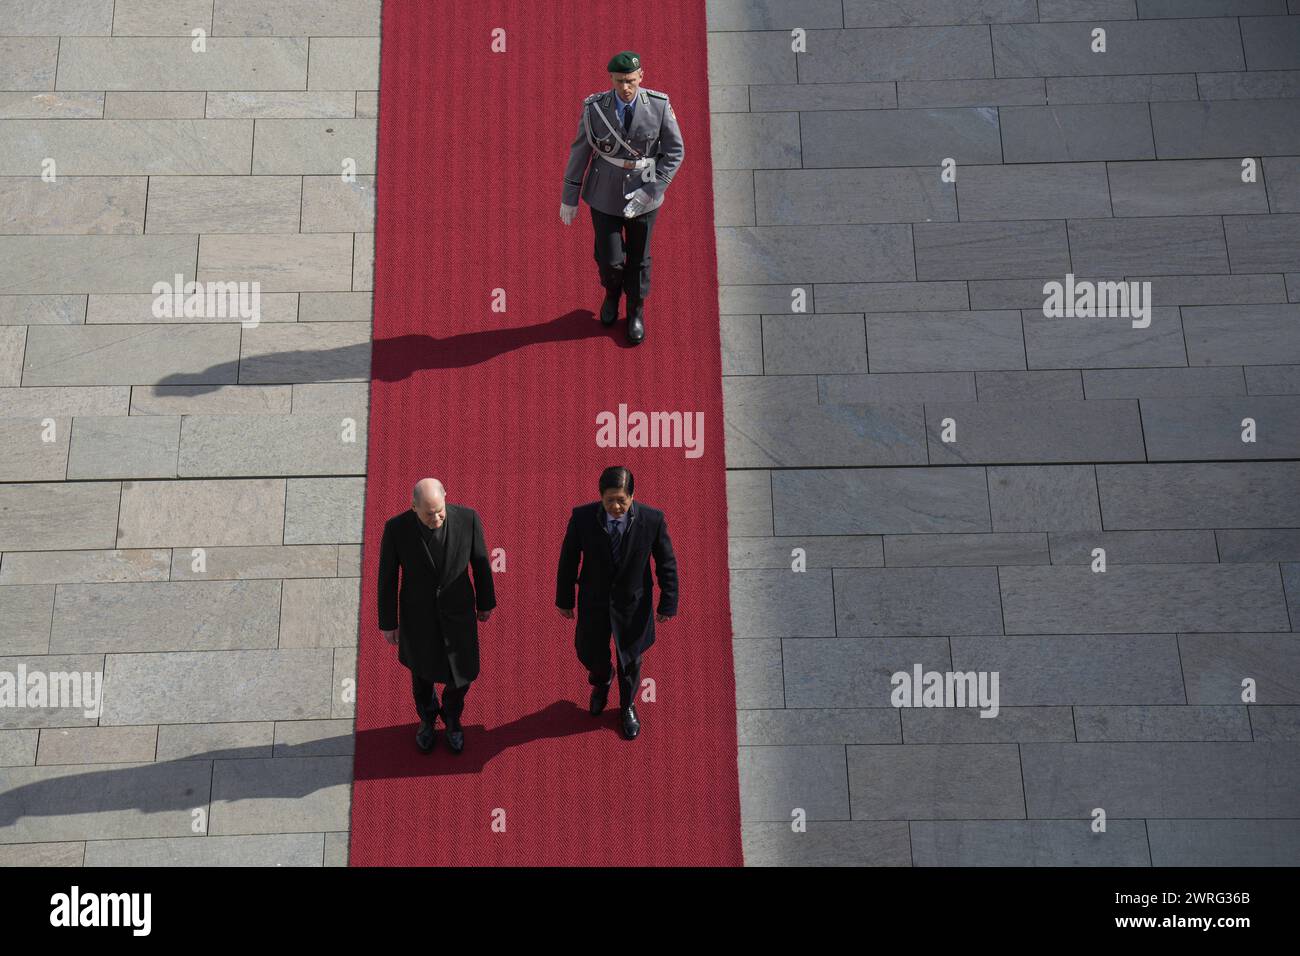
(567, 213)
(640, 200)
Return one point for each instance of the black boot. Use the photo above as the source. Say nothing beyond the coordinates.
(609, 309)
(635, 321)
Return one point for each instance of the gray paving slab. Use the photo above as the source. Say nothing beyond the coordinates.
(271, 849)
(1208, 495)
(305, 352)
(849, 725)
(228, 740)
(1242, 335)
(1178, 429)
(124, 447)
(1214, 666)
(131, 354)
(139, 105)
(964, 725)
(978, 250)
(26, 610)
(280, 795)
(803, 254)
(43, 854)
(1028, 843)
(849, 672)
(923, 53)
(803, 344)
(234, 445)
(1191, 245)
(1223, 842)
(144, 617)
(1043, 498)
(1161, 723)
(1236, 546)
(302, 147)
(87, 745)
(78, 567)
(281, 104)
(896, 387)
(759, 682)
(320, 613)
(18, 747)
(1226, 128)
(782, 603)
(165, 63)
(160, 514)
(74, 264)
(938, 781)
(959, 550)
(1139, 46)
(1148, 598)
(944, 341)
(1134, 547)
(344, 63)
(1045, 669)
(126, 147)
(744, 55)
(1263, 243)
(1260, 85)
(296, 18)
(289, 684)
(775, 782)
(877, 602)
(825, 435)
(55, 17)
(838, 551)
(1149, 88)
(877, 501)
(329, 510)
(42, 309)
(827, 843)
(82, 205)
(1033, 191)
(1162, 382)
(725, 15)
(291, 561)
(88, 801)
(931, 93)
(1076, 133)
(823, 196)
(1271, 43)
(37, 449)
(1038, 385)
(231, 204)
(1188, 187)
(891, 296)
(161, 17)
(1275, 723)
(1109, 342)
(29, 63)
(1008, 432)
(50, 517)
(886, 13)
(922, 137)
(1160, 780)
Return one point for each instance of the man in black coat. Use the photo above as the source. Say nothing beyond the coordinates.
(614, 539)
(435, 544)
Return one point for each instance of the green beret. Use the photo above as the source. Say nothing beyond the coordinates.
(625, 62)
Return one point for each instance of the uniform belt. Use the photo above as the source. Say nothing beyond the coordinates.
(627, 163)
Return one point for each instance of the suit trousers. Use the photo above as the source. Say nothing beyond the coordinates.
(594, 655)
(426, 700)
(623, 252)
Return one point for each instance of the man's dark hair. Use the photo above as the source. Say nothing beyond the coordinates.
(615, 476)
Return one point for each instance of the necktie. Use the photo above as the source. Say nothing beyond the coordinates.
(615, 539)
(627, 117)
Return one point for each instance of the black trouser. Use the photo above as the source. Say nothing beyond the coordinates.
(426, 700)
(633, 278)
(594, 655)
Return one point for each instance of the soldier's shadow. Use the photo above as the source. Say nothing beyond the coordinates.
(389, 359)
(389, 752)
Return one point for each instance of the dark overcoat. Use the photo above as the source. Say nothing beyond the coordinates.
(619, 601)
(435, 612)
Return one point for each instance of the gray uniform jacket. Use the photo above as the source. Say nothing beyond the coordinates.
(654, 133)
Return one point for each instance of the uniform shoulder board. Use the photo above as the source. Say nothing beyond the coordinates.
(593, 96)
(656, 94)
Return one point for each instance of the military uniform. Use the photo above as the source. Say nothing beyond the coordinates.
(611, 167)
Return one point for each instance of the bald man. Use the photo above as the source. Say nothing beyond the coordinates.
(435, 544)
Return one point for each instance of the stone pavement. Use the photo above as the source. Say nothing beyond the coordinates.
(131, 440)
(1119, 691)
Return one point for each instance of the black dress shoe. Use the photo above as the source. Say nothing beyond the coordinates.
(456, 740)
(631, 726)
(609, 309)
(424, 736)
(635, 321)
(599, 694)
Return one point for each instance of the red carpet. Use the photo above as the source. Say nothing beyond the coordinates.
(502, 406)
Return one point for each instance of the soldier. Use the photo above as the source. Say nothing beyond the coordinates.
(633, 134)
